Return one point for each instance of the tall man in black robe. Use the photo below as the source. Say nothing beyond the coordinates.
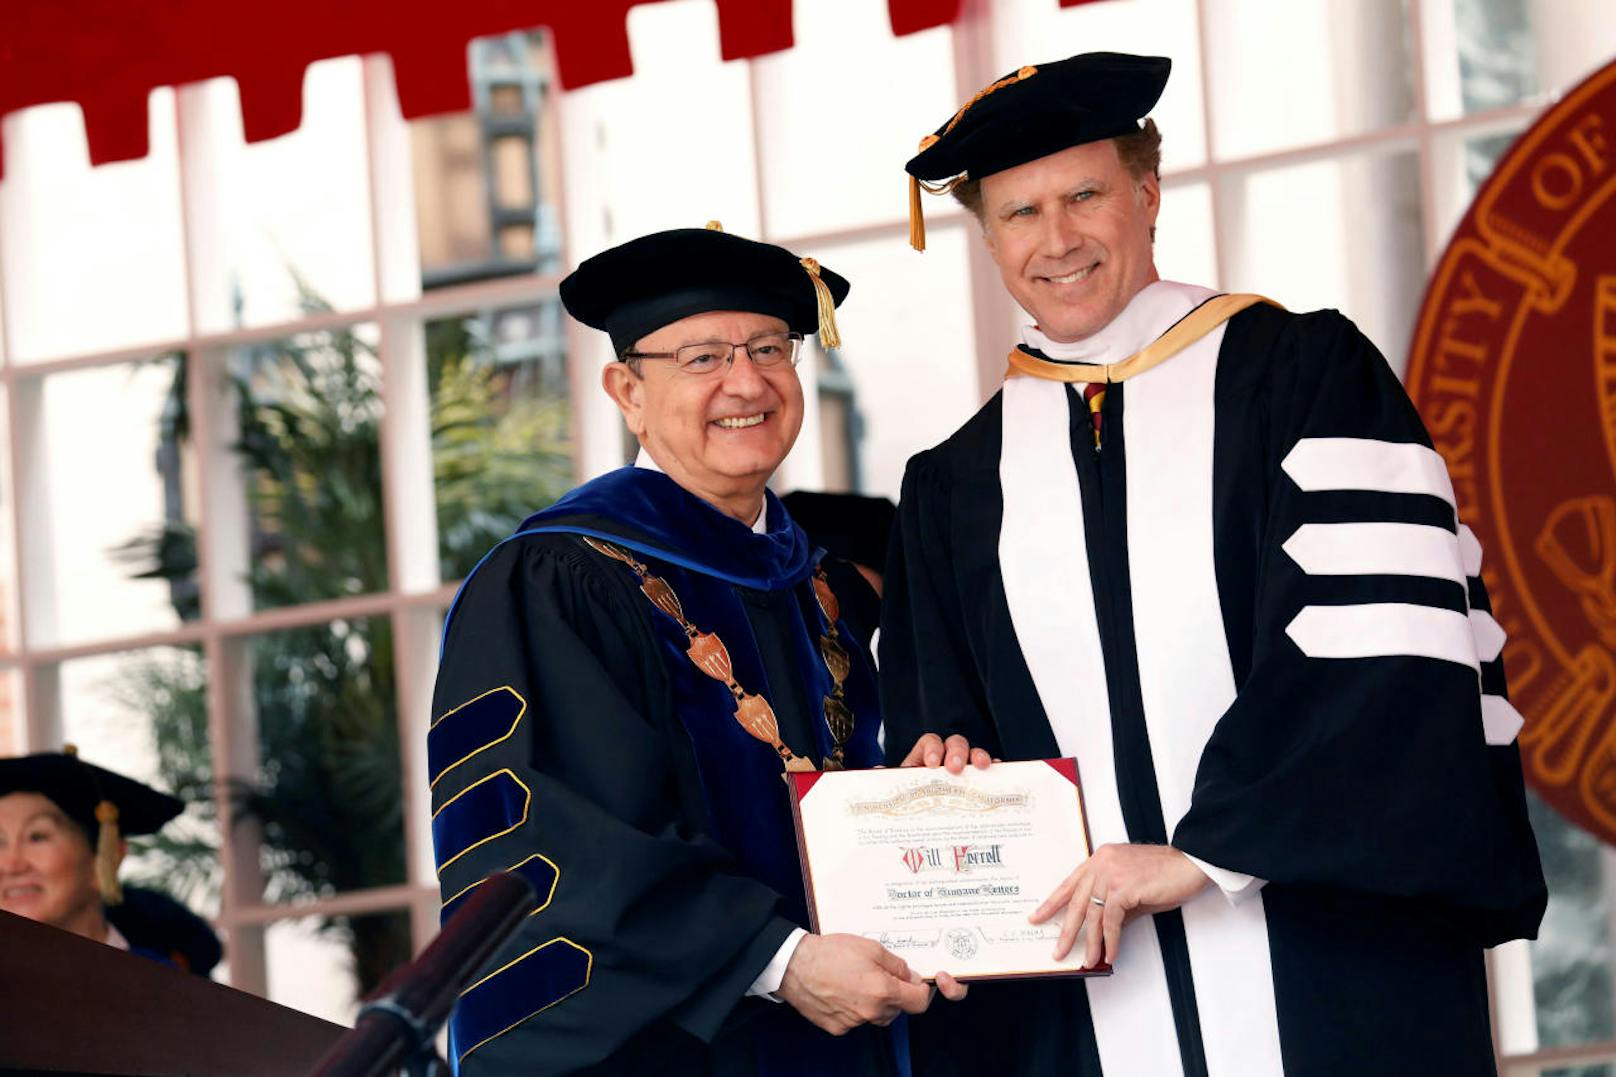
(624, 683)
(1204, 546)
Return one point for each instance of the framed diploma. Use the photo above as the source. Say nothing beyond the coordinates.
(944, 869)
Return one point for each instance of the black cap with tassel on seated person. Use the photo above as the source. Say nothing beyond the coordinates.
(107, 806)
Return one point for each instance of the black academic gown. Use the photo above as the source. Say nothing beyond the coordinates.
(574, 741)
(1389, 824)
(162, 929)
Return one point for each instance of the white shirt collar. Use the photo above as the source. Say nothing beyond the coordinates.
(760, 526)
(1147, 316)
(115, 938)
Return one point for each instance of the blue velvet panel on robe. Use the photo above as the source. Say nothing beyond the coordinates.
(494, 806)
(651, 514)
(540, 873)
(511, 994)
(468, 729)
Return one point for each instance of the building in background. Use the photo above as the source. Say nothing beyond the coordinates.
(265, 404)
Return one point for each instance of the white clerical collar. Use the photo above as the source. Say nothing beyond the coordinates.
(760, 526)
(1147, 316)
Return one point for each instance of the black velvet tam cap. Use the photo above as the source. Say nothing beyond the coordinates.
(1032, 113)
(638, 287)
(1042, 110)
(77, 788)
(850, 526)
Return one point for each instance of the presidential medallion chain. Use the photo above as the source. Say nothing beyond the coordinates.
(838, 717)
(708, 654)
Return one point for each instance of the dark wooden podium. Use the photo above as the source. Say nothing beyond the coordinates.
(73, 1006)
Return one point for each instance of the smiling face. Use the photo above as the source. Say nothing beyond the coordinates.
(47, 868)
(718, 435)
(1071, 234)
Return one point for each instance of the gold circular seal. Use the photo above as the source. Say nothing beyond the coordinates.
(1513, 367)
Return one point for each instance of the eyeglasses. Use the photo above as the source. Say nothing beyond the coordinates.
(767, 350)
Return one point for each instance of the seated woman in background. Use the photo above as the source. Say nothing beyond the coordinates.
(62, 828)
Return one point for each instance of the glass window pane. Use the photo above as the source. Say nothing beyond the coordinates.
(671, 146)
(328, 796)
(122, 562)
(1361, 252)
(1288, 74)
(1460, 164)
(323, 965)
(485, 180)
(309, 409)
(502, 444)
(8, 538)
(908, 345)
(1487, 54)
(12, 712)
(841, 422)
(144, 714)
(93, 257)
(1184, 248)
(291, 216)
(1037, 31)
(1573, 981)
(808, 120)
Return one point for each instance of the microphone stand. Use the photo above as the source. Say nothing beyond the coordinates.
(395, 1029)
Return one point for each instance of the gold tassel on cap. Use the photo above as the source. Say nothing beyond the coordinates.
(715, 226)
(917, 218)
(829, 335)
(917, 215)
(108, 853)
(108, 842)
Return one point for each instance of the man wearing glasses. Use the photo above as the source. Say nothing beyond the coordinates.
(624, 682)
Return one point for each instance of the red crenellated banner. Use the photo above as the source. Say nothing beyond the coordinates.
(108, 55)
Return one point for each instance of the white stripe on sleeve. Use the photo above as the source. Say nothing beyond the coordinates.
(1488, 633)
(1469, 550)
(1373, 549)
(1384, 630)
(1368, 464)
(1500, 720)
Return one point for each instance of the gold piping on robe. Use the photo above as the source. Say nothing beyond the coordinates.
(520, 712)
(589, 970)
(1195, 325)
(527, 802)
(543, 904)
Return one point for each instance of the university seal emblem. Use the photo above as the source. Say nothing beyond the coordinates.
(1513, 368)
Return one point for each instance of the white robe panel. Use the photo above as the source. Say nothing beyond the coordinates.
(1186, 676)
(1187, 682)
(1051, 601)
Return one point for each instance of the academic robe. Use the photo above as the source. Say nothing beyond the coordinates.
(575, 742)
(1254, 618)
(159, 928)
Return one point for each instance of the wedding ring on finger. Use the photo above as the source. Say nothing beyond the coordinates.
(1099, 901)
